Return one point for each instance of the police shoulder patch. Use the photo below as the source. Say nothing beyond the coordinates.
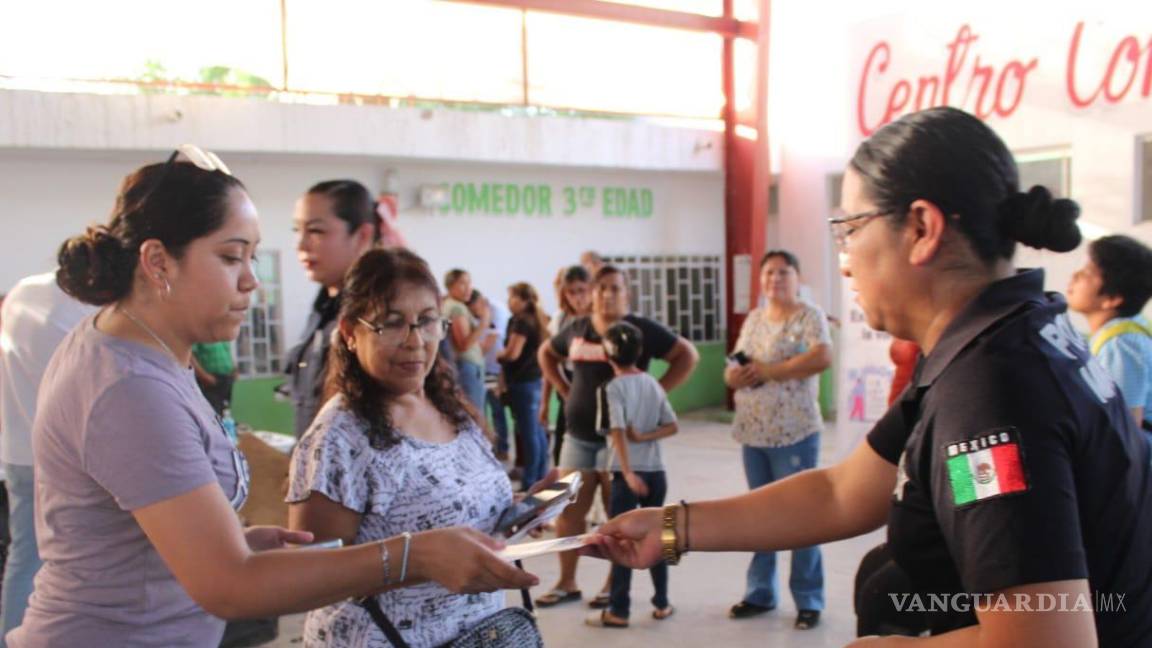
(985, 466)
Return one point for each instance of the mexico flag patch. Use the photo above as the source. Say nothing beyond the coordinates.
(986, 466)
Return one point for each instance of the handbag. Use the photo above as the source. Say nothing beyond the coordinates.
(509, 628)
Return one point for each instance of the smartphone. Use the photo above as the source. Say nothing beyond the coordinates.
(538, 508)
(740, 358)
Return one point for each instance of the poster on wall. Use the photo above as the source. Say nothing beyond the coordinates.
(864, 377)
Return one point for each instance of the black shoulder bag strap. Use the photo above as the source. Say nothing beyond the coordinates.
(373, 606)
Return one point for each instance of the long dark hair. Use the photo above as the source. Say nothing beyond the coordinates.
(372, 281)
(175, 203)
(948, 157)
(566, 276)
(351, 203)
(534, 315)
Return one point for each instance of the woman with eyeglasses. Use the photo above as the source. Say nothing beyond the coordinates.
(1014, 483)
(774, 373)
(396, 448)
(137, 482)
(335, 222)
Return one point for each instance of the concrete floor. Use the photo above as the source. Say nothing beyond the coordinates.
(703, 462)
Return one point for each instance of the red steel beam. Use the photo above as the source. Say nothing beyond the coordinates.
(747, 174)
(726, 26)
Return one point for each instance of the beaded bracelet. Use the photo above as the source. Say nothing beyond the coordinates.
(386, 558)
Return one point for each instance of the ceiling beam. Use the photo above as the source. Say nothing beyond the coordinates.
(648, 16)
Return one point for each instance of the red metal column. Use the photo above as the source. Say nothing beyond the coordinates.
(746, 171)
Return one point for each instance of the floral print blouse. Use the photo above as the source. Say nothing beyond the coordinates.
(779, 413)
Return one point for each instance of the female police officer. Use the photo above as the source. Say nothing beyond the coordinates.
(1010, 466)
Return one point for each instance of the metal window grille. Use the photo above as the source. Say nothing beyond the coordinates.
(259, 347)
(685, 293)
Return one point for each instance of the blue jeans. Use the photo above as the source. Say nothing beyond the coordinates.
(23, 559)
(624, 500)
(764, 466)
(471, 379)
(525, 404)
(499, 420)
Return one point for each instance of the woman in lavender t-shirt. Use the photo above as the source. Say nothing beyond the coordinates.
(137, 483)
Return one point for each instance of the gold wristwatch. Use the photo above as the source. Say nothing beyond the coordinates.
(668, 537)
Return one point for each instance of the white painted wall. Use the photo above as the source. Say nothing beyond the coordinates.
(62, 158)
(819, 51)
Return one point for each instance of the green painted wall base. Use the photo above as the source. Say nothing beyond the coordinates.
(253, 402)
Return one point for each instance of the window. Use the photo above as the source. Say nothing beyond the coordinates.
(1144, 180)
(685, 293)
(209, 41)
(259, 347)
(406, 48)
(1052, 169)
(589, 64)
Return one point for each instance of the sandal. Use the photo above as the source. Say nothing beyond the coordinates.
(807, 619)
(600, 601)
(605, 619)
(558, 596)
(663, 613)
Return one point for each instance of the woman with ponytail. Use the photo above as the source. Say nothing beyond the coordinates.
(520, 375)
(1014, 483)
(137, 482)
(335, 222)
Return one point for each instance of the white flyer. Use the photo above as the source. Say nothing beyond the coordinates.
(542, 547)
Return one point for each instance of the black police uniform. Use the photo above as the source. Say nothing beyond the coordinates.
(307, 362)
(1019, 463)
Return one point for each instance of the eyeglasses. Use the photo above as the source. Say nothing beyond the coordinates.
(431, 329)
(206, 160)
(841, 228)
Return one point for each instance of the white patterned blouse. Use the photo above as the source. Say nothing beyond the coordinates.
(412, 486)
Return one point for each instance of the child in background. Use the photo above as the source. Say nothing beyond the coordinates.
(639, 415)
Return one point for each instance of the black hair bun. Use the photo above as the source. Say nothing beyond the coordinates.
(95, 267)
(1039, 221)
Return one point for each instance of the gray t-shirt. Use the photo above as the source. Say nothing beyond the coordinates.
(639, 401)
(119, 426)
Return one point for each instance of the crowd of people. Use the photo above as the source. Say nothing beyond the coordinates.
(123, 479)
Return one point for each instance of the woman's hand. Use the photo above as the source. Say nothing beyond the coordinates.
(631, 539)
(263, 538)
(464, 561)
(636, 483)
(736, 377)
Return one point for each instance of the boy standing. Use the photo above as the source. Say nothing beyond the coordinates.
(1110, 291)
(638, 416)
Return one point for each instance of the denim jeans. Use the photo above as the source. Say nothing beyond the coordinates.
(499, 420)
(471, 379)
(624, 500)
(764, 466)
(23, 558)
(525, 404)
